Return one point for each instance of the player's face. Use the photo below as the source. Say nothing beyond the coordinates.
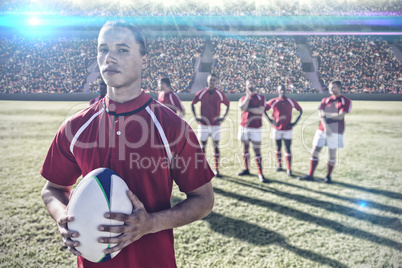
(162, 86)
(281, 91)
(250, 85)
(119, 57)
(333, 90)
(212, 82)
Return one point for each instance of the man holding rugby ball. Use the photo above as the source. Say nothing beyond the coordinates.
(119, 133)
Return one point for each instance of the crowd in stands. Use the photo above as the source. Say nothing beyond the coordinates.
(53, 66)
(363, 64)
(270, 61)
(174, 58)
(205, 8)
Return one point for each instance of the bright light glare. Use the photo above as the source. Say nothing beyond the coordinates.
(34, 21)
(362, 204)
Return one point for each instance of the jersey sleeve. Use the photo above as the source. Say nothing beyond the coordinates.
(60, 166)
(225, 100)
(177, 102)
(322, 104)
(190, 169)
(347, 107)
(297, 106)
(268, 105)
(196, 97)
(262, 101)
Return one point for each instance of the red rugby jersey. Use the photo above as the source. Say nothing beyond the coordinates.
(282, 111)
(171, 100)
(149, 147)
(334, 104)
(251, 120)
(210, 105)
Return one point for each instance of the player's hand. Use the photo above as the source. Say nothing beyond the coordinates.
(67, 234)
(198, 119)
(136, 225)
(274, 123)
(219, 120)
(291, 125)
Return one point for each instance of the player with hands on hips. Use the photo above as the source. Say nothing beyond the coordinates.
(209, 123)
(282, 125)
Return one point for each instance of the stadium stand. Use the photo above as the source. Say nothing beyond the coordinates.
(51, 66)
(173, 58)
(270, 61)
(364, 64)
(205, 8)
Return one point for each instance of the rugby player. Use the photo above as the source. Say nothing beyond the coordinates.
(125, 132)
(253, 106)
(330, 131)
(282, 125)
(209, 122)
(169, 98)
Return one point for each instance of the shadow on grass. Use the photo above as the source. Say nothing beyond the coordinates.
(385, 193)
(259, 236)
(369, 204)
(387, 222)
(300, 215)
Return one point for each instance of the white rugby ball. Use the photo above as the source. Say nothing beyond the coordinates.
(100, 191)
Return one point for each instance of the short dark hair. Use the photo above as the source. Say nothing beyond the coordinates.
(337, 83)
(137, 32)
(213, 75)
(281, 87)
(165, 81)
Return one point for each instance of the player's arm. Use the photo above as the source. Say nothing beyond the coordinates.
(243, 103)
(257, 110)
(297, 119)
(323, 120)
(224, 116)
(197, 205)
(336, 116)
(271, 120)
(56, 198)
(194, 113)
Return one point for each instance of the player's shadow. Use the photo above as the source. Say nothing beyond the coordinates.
(387, 222)
(303, 216)
(370, 204)
(259, 236)
(385, 193)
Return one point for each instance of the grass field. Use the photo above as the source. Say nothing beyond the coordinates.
(354, 222)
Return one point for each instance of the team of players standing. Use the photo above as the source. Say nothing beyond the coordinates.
(254, 106)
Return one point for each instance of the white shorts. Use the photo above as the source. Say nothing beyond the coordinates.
(249, 134)
(209, 131)
(281, 134)
(334, 141)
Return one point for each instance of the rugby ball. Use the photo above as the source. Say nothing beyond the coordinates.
(101, 191)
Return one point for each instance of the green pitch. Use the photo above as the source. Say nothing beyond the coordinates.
(354, 222)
